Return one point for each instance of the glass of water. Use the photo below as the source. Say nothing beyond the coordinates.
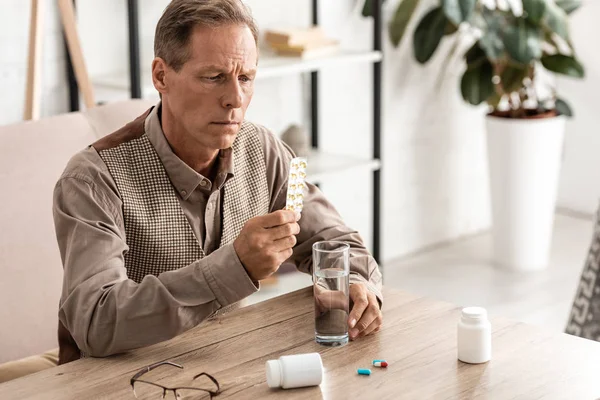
(331, 281)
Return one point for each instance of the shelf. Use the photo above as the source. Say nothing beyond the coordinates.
(273, 66)
(269, 67)
(322, 165)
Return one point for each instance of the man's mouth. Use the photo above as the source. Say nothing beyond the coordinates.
(226, 122)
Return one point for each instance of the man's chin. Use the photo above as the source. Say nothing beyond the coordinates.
(226, 141)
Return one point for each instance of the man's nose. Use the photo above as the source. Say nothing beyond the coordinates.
(233, 97)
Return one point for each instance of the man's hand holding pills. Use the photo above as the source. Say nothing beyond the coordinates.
(265, 242)
(365, 317)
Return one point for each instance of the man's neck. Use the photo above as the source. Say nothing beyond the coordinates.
(199, 158)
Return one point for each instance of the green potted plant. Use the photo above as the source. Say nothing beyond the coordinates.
(509, 48)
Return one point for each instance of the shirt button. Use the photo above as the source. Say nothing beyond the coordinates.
(203, 183)
(183, 192)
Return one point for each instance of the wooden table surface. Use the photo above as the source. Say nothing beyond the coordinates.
(418, 340)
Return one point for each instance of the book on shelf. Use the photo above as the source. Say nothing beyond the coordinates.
(310, 53)
(302, 43)
(294, 36)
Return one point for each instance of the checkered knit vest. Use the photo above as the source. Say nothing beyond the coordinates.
(157, 232)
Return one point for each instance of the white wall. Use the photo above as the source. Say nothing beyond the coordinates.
(580, 179)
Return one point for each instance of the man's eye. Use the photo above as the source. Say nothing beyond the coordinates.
(245, 78)
(213, 78)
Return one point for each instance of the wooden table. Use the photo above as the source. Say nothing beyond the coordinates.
(418, 340)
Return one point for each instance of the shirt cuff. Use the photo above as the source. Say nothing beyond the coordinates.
(358, 278)
(227, 277)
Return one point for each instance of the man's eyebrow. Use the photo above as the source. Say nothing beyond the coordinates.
(211, 67)
(218, 68)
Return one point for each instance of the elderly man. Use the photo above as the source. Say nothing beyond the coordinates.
(179, 214)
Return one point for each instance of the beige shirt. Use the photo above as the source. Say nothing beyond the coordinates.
(107, 313)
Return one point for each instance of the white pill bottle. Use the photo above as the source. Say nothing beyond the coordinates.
(295, 371)
(474, 336)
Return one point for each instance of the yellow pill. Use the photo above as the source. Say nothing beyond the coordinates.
(302, 174)
(302, 164)
(292, 187)
(291, 197)
(293, 176)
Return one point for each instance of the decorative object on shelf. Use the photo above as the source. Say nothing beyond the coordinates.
(304, 43)
(525, 127)
(297, 138)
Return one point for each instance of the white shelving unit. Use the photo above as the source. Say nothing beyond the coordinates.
(322, 165)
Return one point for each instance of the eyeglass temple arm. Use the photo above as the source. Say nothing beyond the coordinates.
(211, 378)
(151, 367)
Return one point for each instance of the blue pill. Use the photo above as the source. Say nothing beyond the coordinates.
(364, 371)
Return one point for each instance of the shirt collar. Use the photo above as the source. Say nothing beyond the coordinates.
(182, 176)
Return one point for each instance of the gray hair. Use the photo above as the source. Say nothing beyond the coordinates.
(175, 26)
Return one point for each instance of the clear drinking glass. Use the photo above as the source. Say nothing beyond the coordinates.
(331, 285)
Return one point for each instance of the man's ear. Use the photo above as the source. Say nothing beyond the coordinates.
(159, 71)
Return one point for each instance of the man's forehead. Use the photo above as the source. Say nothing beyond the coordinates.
(212, 47)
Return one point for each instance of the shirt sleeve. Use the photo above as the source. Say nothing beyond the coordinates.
(107, 313)
(320, 220)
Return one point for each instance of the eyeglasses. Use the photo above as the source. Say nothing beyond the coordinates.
(149, 390)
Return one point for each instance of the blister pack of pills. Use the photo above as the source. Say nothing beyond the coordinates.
(296, 184)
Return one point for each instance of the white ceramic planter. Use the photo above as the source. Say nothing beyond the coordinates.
(524, 158)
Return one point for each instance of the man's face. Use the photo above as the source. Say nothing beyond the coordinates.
(209, 95)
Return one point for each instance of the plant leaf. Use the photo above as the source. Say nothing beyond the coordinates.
(512, 78)
(492, 23)
(367, 10)
(535, 10)
(568, 5)
(565, 65)
(428, 34)
(401, 19)
(563, 108)
(556, 19)
(476, 84)
(458, 11)
(523, 41)
(474, 55)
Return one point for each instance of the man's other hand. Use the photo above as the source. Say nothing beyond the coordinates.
(365, 317)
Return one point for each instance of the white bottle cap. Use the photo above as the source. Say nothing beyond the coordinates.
(474, 313)
(273, 373)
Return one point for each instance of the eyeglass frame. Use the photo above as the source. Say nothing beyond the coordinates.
(149, 368)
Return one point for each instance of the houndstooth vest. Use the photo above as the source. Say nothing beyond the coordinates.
(158, 234)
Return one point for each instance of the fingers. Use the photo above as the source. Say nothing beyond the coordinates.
(371, 317)
(283, 231)
(284, 255)
(285, 243)
(375, 326)
(277, 218)
(331, 299)
(358, 295)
